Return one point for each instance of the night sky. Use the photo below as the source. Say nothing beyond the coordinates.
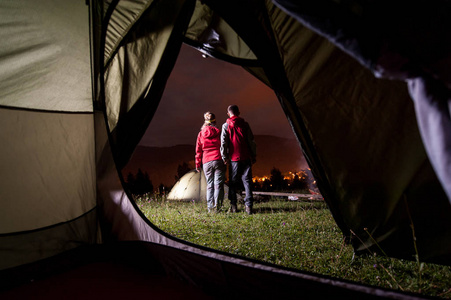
(198, 85)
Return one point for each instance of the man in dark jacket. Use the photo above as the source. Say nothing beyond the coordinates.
(238, 149)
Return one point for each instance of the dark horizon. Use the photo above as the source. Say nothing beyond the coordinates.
(161, 162)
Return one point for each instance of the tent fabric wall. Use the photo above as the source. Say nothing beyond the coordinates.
(432, 107)
(410, 44)
(405, 174)
(43, 55)
(124, 86)
(130, 94)
(378, 173)
(213, 36)
(47, 167)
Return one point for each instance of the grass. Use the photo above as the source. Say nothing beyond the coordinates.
(294, 234)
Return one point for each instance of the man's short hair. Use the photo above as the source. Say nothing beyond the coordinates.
(233, 109)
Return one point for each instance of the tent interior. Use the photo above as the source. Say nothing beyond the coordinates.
(81, 80)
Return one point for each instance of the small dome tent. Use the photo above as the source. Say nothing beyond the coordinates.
(81, 81)
(192, 187)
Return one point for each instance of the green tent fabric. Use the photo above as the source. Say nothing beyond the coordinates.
(80, 83)
(47, 193)
(406, 44)
(409, 43)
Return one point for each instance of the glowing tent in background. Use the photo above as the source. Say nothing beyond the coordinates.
(192, 187)
(80, 84)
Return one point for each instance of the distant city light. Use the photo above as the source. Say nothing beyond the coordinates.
(288, 176)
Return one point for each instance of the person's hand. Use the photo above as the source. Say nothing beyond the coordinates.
(225, 161)
(197, 170)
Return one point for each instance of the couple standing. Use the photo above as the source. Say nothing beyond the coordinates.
(234, 146)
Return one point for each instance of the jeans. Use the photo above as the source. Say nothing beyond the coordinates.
(240, 171)
(215, 175)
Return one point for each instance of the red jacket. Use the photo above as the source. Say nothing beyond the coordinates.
(208, 145)
(237, 140)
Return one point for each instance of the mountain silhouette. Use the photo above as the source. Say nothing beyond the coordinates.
(161, 163)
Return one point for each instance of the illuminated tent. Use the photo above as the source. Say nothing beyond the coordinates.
(192, 187)
(80, 84)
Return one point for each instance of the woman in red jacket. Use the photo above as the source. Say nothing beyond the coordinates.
(208, 154)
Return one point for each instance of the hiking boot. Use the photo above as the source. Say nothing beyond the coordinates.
(249, 210)
(233, 208)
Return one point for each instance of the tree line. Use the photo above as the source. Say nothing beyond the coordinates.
(140, 183)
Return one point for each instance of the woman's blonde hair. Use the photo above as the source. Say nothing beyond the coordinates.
(209, 119)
